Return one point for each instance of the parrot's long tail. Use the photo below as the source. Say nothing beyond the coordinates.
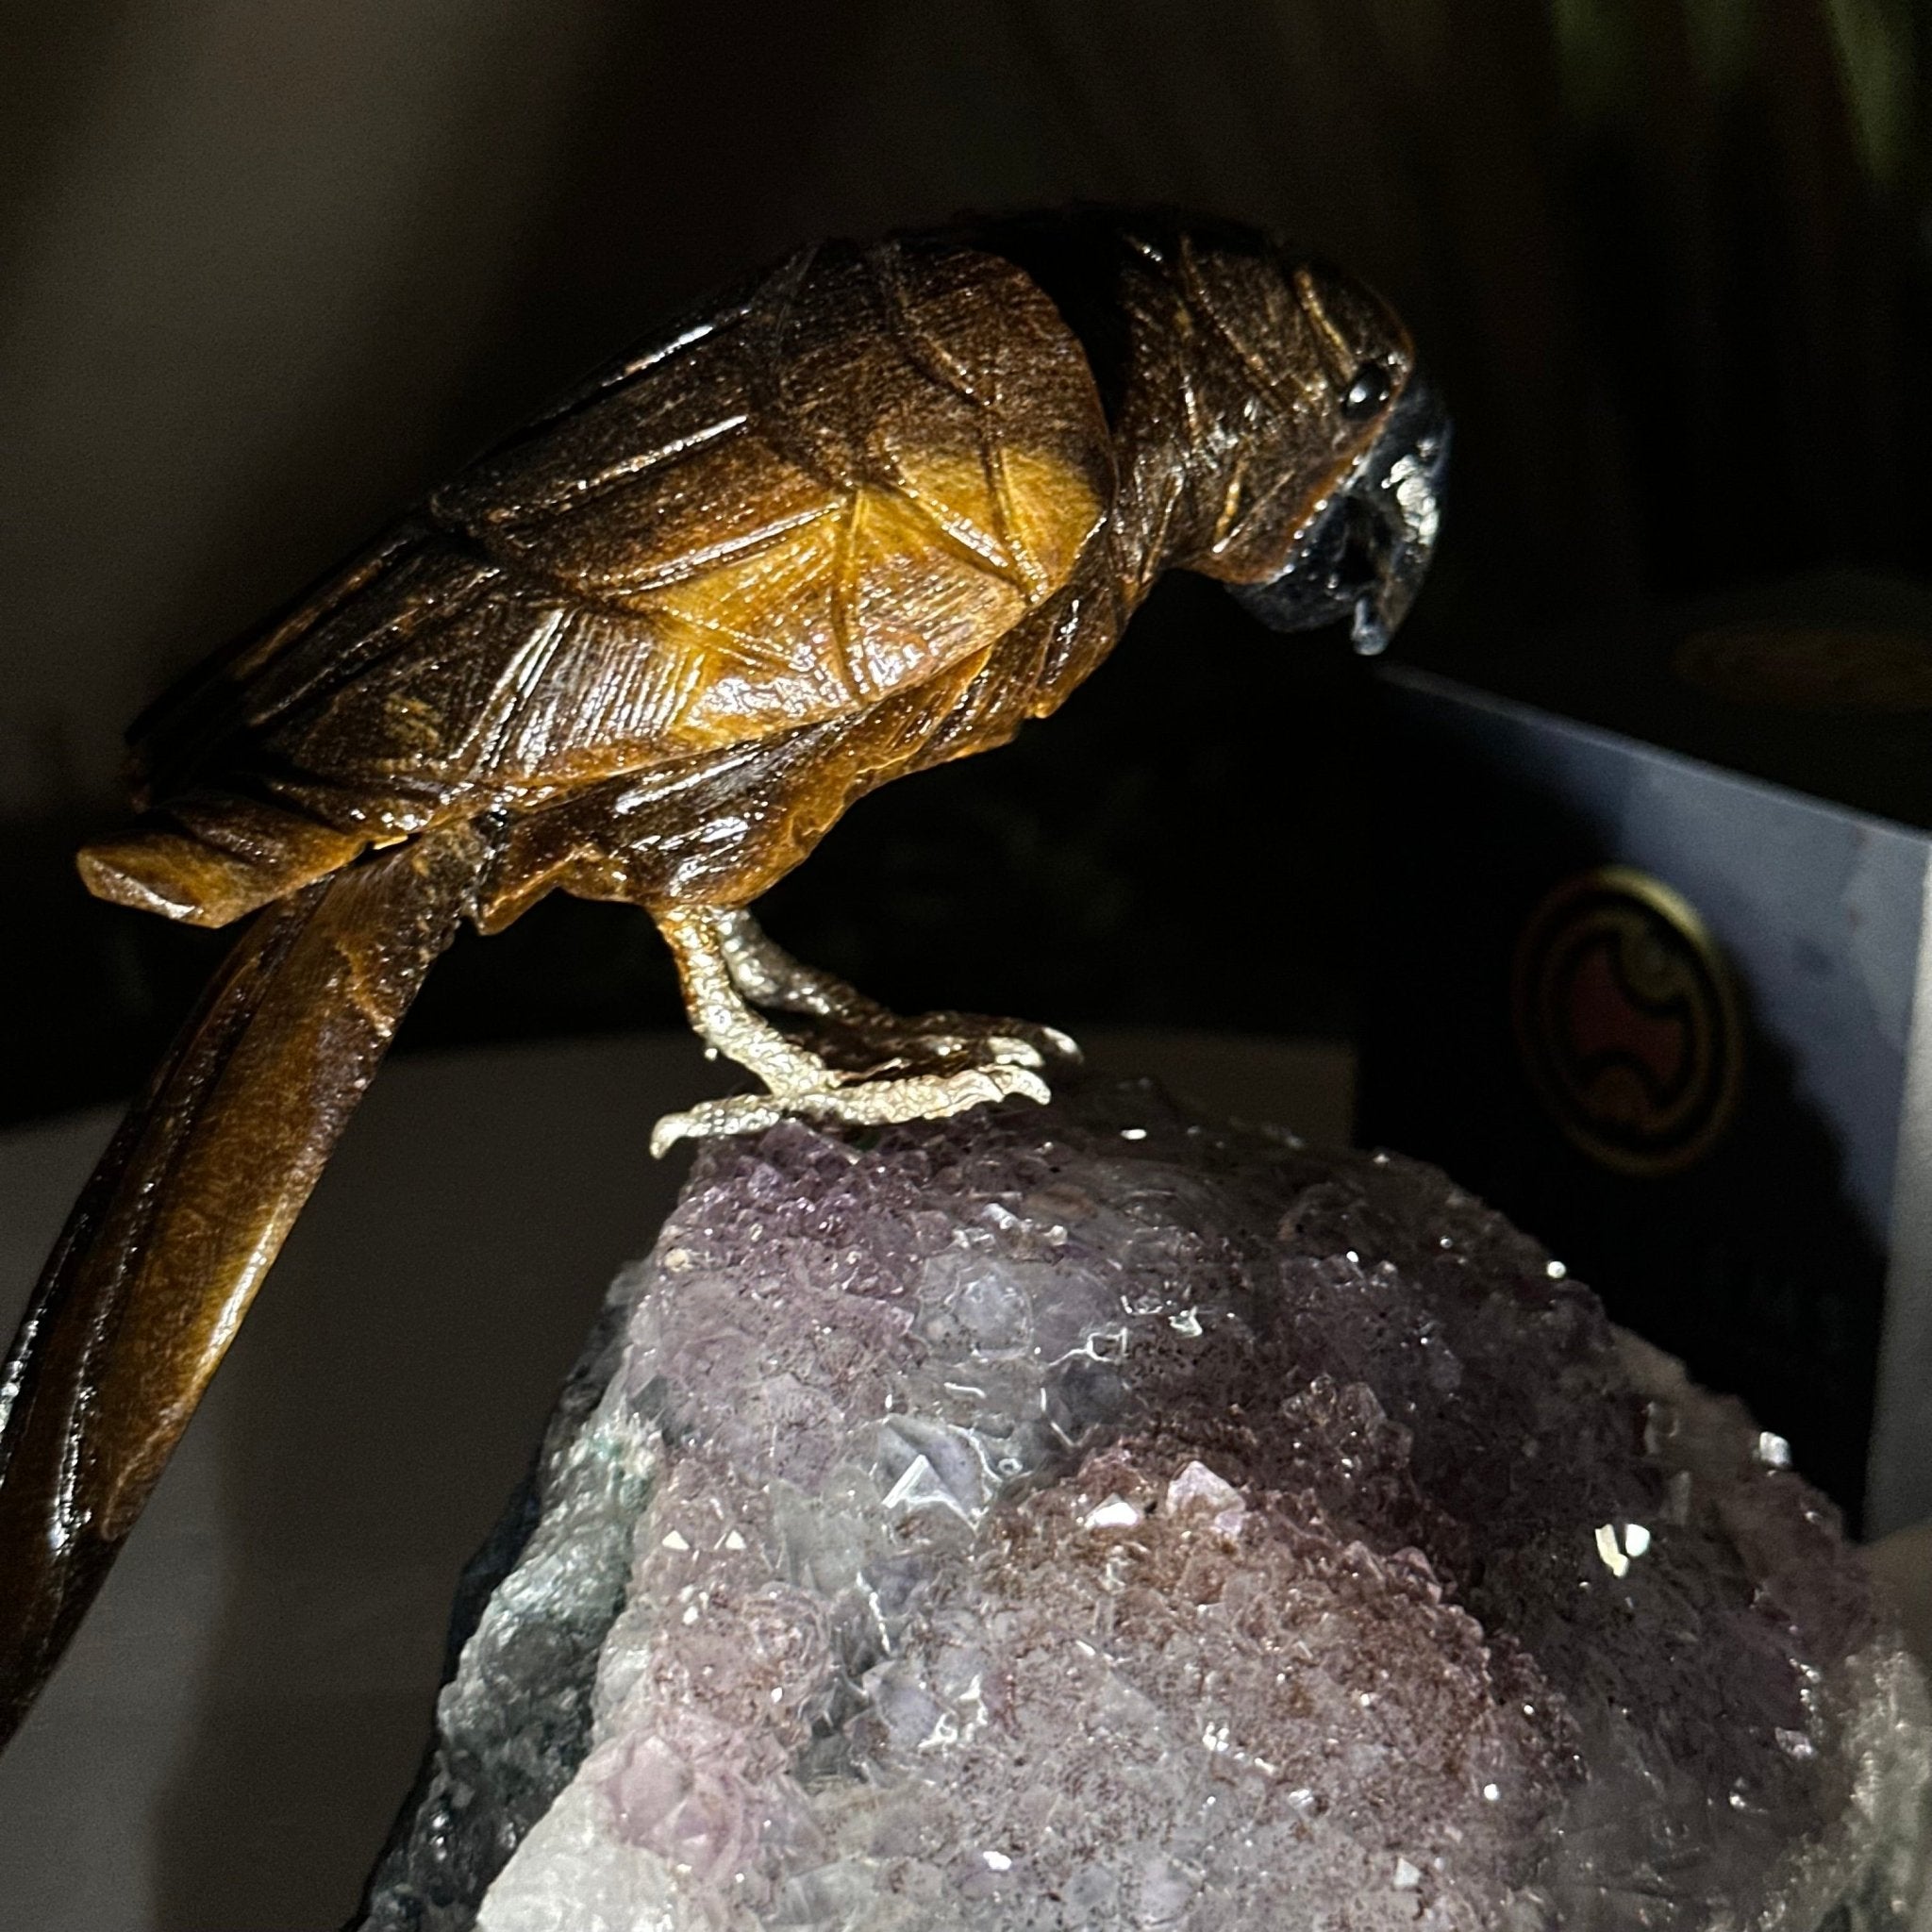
(168, 1244)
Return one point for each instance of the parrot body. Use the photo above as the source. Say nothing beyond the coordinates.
(870, 512)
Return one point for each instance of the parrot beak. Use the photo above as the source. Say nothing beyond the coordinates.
(1365, 552)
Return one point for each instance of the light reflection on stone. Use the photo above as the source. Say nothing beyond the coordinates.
(1053, 1529)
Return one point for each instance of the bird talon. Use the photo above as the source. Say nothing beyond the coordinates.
(1012, 1051)
(1005, 1049)
(1013, 1042)
(849, 1061)
(860, 1104)
(1062, 1045)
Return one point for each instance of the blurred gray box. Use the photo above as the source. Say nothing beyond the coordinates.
(1648, 968)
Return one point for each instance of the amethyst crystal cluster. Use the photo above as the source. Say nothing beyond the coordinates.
(1090, 1517)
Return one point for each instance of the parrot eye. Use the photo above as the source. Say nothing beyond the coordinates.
(1366, 393)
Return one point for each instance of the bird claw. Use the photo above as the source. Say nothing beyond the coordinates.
(938, 1043)
(1018, 1042)
(858, 1103)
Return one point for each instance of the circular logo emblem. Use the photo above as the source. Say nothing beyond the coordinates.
(1627, 1023)
(1808, 668)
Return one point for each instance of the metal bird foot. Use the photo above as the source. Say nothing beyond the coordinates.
(874, 1103)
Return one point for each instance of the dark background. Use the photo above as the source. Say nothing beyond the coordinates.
(269, 271)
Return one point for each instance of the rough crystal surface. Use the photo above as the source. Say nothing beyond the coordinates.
(1093, 1516)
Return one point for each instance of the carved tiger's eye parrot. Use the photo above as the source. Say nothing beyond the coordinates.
(872, 510)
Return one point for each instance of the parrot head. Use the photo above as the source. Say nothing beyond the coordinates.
(1277, 396)
(1318, 447)
(1363, 553)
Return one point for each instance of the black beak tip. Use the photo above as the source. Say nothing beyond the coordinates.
(1364, 558)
